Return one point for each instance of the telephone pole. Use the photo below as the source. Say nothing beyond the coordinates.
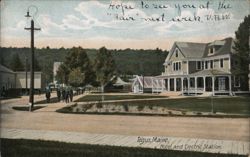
(31, 29)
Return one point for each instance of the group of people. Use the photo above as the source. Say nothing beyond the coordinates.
(65, 94)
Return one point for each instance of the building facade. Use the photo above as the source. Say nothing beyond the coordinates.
(17, 80)
(201, 68)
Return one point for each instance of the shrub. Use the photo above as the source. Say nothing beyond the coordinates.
(86, 107)
(150, 107)
(99, 105)
(198, 113)
(170, 112)
(183, 112)
(125, 106)
(140, 107)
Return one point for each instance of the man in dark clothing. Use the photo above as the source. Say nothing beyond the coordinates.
(67, 96)
(47, 95)
(58, 92)
(71, 95)
(63, 94)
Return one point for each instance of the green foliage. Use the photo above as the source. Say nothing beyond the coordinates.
(127, 61)
(16, 64)
(62, 74)
(78, 63)
(242, 47)
(76, 77)
(104, 66)
(125, 107)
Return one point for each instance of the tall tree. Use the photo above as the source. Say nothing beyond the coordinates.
(76, 77)
(62, 74)
(104, 67)
(16, 63)
(242, 48)
(78, 58)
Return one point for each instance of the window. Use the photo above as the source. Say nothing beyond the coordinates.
(177, 66)
(176, 53)
(198, 65)
(221, 63)
(211, 50)
(206, 64)
(211, 64)
(236, 81)
(202, 65)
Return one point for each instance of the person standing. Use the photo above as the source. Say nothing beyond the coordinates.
(47, 94)
(63, 94)
(67, 95)
(58, 92)
(71, 93)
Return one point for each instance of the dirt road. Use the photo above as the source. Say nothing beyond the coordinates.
(47, 119)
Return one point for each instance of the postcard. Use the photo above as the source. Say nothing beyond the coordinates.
(121, 78)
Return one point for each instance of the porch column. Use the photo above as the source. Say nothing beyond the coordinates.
(162, 84)
(182, 85)
(230, 85)
(195, 85)
(168, 84)
(213, 85)
(175, 84)
(188, 81)
(204, 84)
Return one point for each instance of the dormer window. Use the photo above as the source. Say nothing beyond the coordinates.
(211, 50)
(176, 53)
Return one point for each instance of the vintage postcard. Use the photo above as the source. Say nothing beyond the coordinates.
(123, 78)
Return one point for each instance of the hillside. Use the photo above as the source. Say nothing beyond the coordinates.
(128, 61)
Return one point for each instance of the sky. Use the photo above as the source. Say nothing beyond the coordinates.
(97, 23)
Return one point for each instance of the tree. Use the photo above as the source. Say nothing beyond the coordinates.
(78, 58)
(62, 74)
(16, 64)
(242, 48)
(2, 61)
(37, 66)
(76, 77)
(104, 67)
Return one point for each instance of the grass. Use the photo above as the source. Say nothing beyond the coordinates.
(237, 106)
(26, 108)
(38, 148)
(98, 97)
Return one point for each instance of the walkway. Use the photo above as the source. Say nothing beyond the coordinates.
(158, 142)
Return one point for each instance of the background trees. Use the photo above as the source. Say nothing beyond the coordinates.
(76, 69)
(242, 48)
(104, 67)
(16, 64)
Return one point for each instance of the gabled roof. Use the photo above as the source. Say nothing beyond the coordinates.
(5, 69)
(224, 47)
(191, 50)
(200, 50)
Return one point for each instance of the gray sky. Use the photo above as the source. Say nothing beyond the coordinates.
(93, 23)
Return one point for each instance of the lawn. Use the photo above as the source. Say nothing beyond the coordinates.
(26, 108)
(237, 106)
(38, 148)
(98, 97)
(230, 105)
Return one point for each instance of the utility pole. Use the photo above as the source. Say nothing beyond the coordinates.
(26, 75)
(32, 29)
